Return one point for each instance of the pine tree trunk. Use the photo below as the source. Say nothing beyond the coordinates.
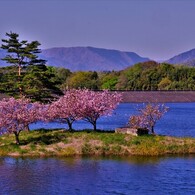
(19, 79)
(19, 70)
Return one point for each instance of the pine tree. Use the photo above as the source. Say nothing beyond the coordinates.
(21, 53)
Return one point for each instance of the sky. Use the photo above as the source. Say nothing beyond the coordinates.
(158, 29)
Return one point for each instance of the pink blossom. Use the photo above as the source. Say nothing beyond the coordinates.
(97, 104)
(66, 109)
(17, 114)
(148, 116)
(83, 104)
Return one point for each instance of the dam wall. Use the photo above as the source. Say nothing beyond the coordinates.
(157, 96)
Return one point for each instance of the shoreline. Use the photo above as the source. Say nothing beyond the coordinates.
(60, 143)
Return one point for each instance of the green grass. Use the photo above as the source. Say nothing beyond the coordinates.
(63, 143)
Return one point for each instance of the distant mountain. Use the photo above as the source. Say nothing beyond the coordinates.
(186, 58)
(88, 58)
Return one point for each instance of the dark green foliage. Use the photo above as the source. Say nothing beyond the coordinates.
(21, 53)
(9, 80)
(61, 76)
(38, 82)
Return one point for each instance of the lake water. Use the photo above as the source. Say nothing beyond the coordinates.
(178, 121)
(91, 176)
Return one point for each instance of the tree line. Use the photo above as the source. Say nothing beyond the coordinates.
(142, 76)
(41, 81)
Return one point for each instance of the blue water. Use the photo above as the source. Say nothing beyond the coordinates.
(87, 176)
(178, 121)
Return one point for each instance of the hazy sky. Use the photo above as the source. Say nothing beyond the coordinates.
(158, 29)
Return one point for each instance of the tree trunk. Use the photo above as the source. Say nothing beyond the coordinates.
(69, 125)
(94, 125)
(152, 130)
(19, 70)
(27, 128)
(19, 79)
(17, 137)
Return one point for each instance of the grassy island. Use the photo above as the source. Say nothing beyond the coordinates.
(63, 143)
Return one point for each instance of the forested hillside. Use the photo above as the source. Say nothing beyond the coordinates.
(156, 76)
(40, 82)
(142, 76)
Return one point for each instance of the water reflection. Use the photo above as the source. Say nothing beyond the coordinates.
(133, 175)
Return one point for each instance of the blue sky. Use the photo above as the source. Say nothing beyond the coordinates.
(158, 29)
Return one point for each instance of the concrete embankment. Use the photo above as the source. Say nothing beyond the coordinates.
(158, 96)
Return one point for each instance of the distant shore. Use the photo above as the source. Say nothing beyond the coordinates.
(157, 96)
(47, 143)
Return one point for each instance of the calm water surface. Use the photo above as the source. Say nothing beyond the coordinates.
(178, 121)
(87, 176)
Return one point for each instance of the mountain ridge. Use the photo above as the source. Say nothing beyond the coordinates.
(88, 58)
(100, 59)
(91, 58)
(184, 58)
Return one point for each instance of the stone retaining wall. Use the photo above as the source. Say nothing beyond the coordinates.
(132, 131)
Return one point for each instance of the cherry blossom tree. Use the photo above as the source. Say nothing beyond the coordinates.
(148, 116)
(83, 104)
(97, 104)
(17, 114)
(137, 121)
(67, 109)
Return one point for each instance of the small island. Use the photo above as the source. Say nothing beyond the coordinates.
(18, 141)
(48, 143)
